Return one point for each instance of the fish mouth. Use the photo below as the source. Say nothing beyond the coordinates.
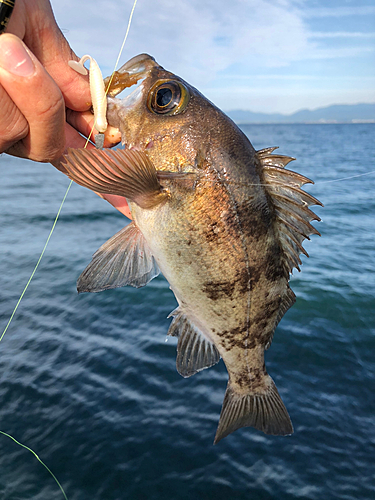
(132, 74)
(136, 69)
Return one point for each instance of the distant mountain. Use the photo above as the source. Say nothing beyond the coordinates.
(338, 113)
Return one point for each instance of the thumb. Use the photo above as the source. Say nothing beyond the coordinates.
(32, 92)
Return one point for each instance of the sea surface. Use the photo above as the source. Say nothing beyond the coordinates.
(89, 383)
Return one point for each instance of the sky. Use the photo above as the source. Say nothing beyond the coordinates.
(271, 56)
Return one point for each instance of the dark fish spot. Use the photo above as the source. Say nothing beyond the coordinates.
(243, 380)
(212, 232)
(242, 278)
(274, 265)
(237, 337)
(255, 275)
(255, 219)
(252, 377)
(251, 343)
(230, 222)
(262, 324)
(273, 306)
(219, 289)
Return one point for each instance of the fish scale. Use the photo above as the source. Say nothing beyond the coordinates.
(222, 222)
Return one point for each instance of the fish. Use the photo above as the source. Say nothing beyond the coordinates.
(222, 222)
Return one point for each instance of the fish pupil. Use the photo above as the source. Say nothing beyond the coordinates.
(167, 97)
(163, 97)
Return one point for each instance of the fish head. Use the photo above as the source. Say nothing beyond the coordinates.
(164, 115)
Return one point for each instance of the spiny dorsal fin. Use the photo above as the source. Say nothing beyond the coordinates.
(125, 259)
(267, 158)
(127, 173)
(194, 351)
(291, 205)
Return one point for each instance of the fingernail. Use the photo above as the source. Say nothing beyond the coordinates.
(14, 57)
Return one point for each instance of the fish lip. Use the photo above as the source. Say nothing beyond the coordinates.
(136, 62)
(137, 68)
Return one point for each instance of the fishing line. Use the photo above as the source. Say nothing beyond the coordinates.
(37, 264)
(36, 456)
(347, 178)
(45, 246)
(115, 67)
(235, 183)
(71, 182)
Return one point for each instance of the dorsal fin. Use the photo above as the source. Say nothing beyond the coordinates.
(291, 205)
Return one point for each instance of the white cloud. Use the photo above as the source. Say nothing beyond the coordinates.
(216, 45)
(339, 52)
(341, 34)
(358, 10)
(195, 37)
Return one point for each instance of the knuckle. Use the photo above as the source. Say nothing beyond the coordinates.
(51, 134)
(53, 107)
(51, 153)
(12, 129)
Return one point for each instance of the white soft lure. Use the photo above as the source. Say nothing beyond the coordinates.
(97, 91)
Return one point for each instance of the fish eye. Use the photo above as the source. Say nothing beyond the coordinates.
(168, 97)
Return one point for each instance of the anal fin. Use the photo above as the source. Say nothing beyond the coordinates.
(194, 351)
(264, 411)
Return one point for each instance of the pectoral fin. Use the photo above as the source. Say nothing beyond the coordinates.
(125, 259)
(127, 173)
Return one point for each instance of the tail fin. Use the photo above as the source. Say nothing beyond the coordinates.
(266, 412)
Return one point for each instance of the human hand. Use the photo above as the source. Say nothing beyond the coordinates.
(36, 85)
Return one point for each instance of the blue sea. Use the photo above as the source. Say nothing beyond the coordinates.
(89, 383)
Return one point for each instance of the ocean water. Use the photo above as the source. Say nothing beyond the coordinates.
(89, 382)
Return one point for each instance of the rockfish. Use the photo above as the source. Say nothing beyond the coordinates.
(223, 223)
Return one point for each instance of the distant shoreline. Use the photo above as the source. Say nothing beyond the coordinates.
(335, 114)
(353, 122)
